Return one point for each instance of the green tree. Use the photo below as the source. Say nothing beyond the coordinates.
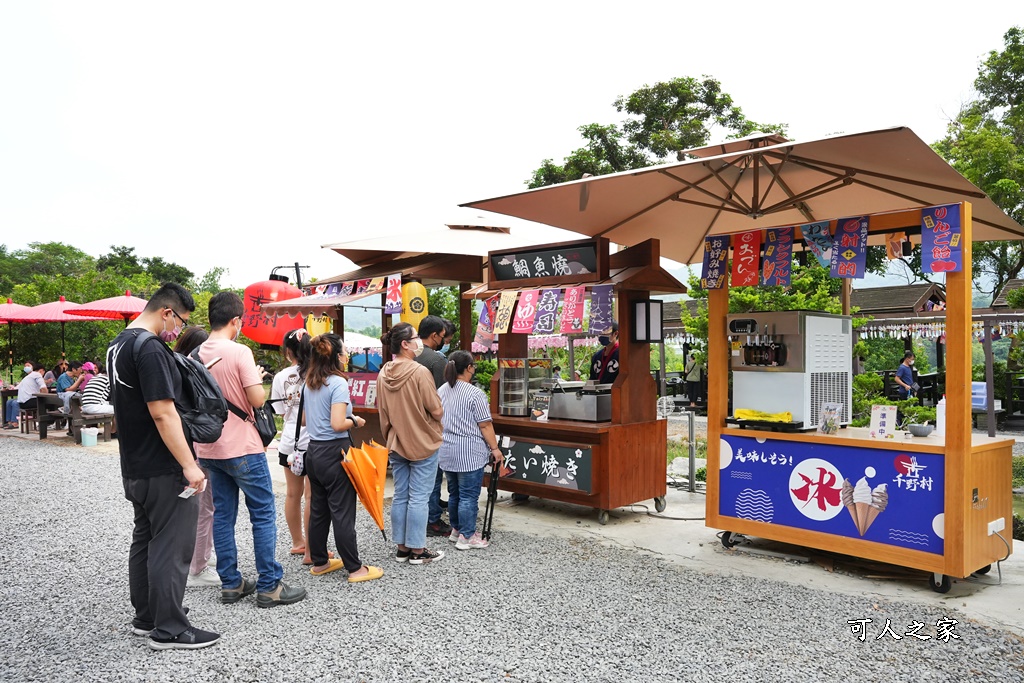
(210, 282)
(661, 121)
(165, 271)
(985, 142)
(121, 259)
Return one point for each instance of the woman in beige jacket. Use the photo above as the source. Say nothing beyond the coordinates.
(410, 420)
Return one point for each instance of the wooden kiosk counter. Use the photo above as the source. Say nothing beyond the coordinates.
(600, 464)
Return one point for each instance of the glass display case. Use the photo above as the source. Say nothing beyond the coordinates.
(519, 379)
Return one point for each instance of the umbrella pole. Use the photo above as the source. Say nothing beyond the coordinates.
(63, 357)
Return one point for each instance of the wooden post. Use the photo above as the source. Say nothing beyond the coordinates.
(719, 350)
(958, 397)
(466, 330)
(845, 294)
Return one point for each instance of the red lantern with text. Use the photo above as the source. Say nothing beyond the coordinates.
(263, 328)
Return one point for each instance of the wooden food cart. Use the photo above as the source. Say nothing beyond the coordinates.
(603, 465)
(933, 503)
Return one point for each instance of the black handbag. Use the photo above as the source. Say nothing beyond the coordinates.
(262, 418)
(915, 387)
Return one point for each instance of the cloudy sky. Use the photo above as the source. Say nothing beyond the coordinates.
(246, 135)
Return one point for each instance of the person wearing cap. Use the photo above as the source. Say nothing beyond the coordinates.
(88, 372)
(604, 364)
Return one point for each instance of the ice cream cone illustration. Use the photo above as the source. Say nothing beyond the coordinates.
(879, 501)
(846, 495)
(862, 503)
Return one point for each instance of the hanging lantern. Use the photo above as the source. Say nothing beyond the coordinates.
(263, 328)
(317, 325)
(414, 303)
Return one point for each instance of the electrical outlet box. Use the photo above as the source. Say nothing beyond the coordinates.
(996, 525)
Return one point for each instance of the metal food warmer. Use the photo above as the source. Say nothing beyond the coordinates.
(519, 380)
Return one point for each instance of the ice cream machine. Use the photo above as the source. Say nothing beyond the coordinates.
(792, 361)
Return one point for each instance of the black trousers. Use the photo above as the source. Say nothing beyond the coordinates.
(162, 546)
(333, 501)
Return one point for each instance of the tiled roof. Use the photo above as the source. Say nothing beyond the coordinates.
(899, 299)
(1000, 300)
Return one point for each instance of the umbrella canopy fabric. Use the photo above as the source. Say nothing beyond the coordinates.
(367, 468)
(772, 185)
(10, 311)
(125, 307)
(53, 312)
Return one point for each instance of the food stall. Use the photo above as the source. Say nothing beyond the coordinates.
(938, 504)
(599, 446)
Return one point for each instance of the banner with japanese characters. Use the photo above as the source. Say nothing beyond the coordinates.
(941, 245)
(547, 312)
(746, 258)
(572, 310)
(567, 467)
(362, 286)
(485, 325)
(894, 245)
(347, 288)
(503, 318)
(819, 241)
(393, 301)
(850, 248)
(601, 313)
(778, 257)
(716, 251)
(526, 311)
(890, 497)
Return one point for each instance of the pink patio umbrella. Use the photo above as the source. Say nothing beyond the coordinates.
(8, 311)
(125, 307)
(53, 312)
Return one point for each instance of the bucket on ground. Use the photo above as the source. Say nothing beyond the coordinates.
(89, 435)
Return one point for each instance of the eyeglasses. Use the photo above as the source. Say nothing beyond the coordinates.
(184, 323)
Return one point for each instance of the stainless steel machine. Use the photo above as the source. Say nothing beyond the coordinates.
(519, 380)
(792, 361)
(585, 401)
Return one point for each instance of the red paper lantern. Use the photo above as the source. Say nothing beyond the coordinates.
(262, 328)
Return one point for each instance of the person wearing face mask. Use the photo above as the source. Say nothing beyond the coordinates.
(28, 387)
(905, 376)
(238, 462)
(604, 365)
(410, 421)
(449, 333)
(433, 333)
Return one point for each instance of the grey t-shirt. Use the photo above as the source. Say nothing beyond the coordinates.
(435, 362)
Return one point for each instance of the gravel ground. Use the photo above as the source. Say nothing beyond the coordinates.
(527, 609)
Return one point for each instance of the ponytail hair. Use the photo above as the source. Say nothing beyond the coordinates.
(323, 359)
(394, 337)
(456, 365)
(297, 342)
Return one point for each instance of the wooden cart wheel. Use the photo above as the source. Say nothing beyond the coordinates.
(659, 504)
(602, 517)
(727, 539)
(940, 583)
(984, 570)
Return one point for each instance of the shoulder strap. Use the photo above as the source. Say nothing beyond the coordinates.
(298, 417)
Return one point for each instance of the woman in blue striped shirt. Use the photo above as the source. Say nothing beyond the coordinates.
(469, 442)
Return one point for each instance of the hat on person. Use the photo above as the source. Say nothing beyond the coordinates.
(89, 366)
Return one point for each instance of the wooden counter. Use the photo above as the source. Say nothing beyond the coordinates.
(597, 464)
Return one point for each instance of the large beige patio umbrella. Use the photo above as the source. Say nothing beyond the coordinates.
(758, 183)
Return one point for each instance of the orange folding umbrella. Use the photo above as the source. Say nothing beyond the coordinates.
(367, 473)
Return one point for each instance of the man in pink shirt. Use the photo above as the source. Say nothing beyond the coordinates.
(238, 462)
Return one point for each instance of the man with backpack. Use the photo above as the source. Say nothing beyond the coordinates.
(237, 462)
(157, 467)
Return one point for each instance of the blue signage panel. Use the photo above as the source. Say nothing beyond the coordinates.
(885, 496)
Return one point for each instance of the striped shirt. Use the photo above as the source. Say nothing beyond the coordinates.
(463, 448)
(98, 391)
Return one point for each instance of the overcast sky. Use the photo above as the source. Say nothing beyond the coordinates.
(246, 135)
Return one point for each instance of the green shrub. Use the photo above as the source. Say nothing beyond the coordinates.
(485, 369)
(701, 474)
(1017, 472)
(1018, 528)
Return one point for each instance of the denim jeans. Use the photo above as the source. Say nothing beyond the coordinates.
(12, 410)
(434, 507)
(464, 499)
(250, 474)
(413, 482)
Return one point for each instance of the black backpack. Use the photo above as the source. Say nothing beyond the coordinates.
(201, 405)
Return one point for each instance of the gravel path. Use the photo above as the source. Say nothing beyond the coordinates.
(527, 609)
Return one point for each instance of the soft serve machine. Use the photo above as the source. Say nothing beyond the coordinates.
(792, 361)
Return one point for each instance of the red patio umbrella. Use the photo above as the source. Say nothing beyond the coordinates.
(8, 311)
(53, 312)
(125, 307)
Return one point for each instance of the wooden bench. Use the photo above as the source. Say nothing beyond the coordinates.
(76, 420)
(981, 416)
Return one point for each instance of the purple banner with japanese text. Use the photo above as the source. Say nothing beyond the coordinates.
(601, 316)
(850, 248)
(819, 241)
(393, 302)
(547, 312)
(941, 239)
(716, 251)
(778, 257)
(886, 496)
(746, 258)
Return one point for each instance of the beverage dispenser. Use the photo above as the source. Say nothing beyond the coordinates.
(792, 361)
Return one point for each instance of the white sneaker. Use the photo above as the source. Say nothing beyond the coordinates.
(475, 542)
(207, 577)
(212, 562)
(453, 537)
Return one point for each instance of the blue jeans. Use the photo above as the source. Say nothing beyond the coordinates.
(250, 474)
(464, 499)
(12, 410)
(434, 508)
(413, 482)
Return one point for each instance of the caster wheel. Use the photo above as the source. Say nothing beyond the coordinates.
(940, 583)
(659, 504)
(602, 517)
(984, 570)
(727, 539)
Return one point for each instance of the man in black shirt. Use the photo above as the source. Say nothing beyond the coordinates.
(157, 466)
(433, 332)
(604, 365)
